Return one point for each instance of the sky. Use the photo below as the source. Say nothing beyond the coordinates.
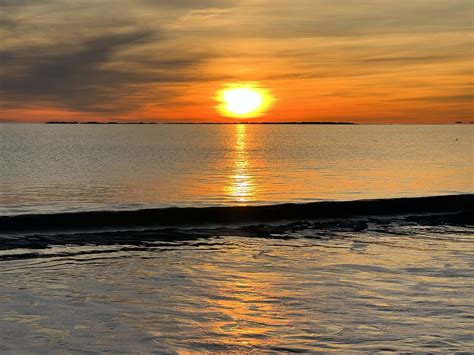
(364, 61)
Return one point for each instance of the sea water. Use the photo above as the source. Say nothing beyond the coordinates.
(367, 284)
(49, 168)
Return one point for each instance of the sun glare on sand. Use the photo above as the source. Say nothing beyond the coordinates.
(244, 100)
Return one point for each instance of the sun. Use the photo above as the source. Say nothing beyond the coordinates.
(243, 100)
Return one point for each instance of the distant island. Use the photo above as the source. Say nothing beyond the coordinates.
(96, 122)
(205, 123)
(250, 122)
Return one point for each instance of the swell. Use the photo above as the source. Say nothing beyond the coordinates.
(164, 217)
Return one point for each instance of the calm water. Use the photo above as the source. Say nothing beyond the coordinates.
(400, 288)
(50, 168)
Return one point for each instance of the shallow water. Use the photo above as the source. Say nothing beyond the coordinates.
(57, 168)
(395, 286)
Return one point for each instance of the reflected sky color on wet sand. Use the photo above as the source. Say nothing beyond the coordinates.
(400, 288)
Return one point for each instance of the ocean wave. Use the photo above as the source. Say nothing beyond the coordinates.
(195, 216)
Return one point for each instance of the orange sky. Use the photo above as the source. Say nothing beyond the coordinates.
(368, 61)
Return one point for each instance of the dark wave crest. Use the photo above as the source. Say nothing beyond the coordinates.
(165, 217)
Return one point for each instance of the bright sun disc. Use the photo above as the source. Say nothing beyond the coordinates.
(243, 101)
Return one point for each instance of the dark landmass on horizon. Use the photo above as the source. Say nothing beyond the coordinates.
(289, 122)
(96, 122)
(205, 123)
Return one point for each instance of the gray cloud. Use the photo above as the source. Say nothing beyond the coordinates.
(189, 4)
(89, 54)
(80, 78)
(355, 18)
(75, 78)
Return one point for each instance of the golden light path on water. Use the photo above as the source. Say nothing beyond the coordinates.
(241, 186)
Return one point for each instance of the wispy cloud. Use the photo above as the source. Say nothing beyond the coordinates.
(116, 58)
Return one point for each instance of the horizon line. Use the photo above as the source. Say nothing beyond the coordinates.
(236, 122)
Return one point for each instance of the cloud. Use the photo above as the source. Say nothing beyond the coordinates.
(189, 4)
(76, 78)
(81, 78)
(454, 99)
(115, 57)
(95, 55)
(348, 18)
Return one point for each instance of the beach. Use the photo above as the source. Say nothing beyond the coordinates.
(380, 282)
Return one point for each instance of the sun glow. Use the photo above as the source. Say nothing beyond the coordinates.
(244, 100)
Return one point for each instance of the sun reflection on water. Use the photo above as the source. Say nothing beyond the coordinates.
(241, 186)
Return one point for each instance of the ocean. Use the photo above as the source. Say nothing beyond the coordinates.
(69, 168)
(236, 238)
